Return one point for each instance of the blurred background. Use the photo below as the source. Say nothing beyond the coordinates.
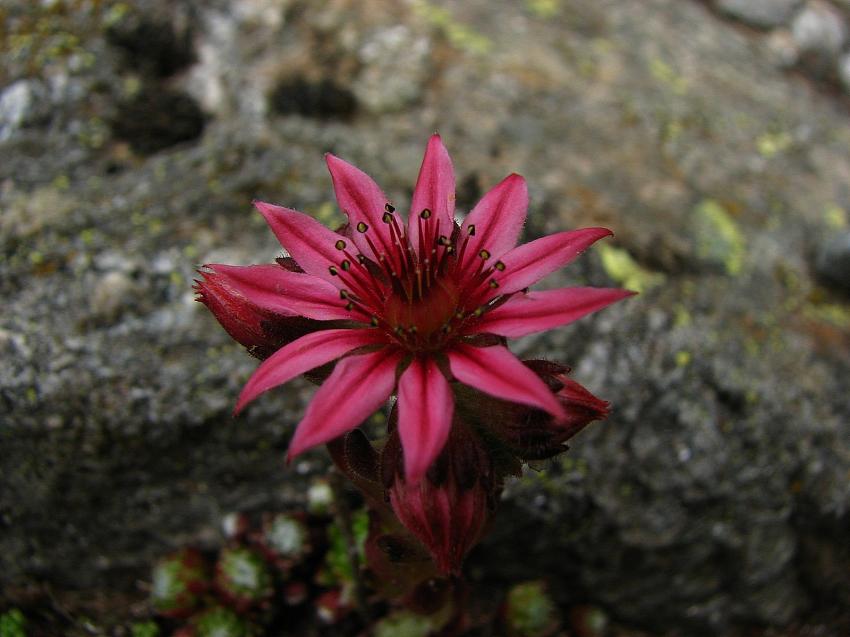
(711, 136)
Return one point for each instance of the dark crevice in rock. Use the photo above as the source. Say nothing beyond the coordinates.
(156, 119)
(322, 99)
(152, 46)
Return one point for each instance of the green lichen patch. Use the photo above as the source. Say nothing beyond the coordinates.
(459, 35)
(719, 240)
(622, 268)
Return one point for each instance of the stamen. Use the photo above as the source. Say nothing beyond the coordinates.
(340, 245)
(387, 218)
(389, 208)
(459, 262)
(494, 283)
(343, 294)
(434, 243)
(499, 266)
(484, 254)
(361, 281)
(356, 305)
(374, 321)
(333, 270)
(425, 214)
(471, 229)
(362, 227)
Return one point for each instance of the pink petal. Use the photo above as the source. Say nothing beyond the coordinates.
(539, 311)
(530, 262)
(308, 352)
(496, 220)
(435, 191)
(310, 243)
(495, 371)
(352, 393)
(425, 409)
(363, 201)
(272, 288)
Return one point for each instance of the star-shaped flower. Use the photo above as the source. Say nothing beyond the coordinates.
(415, 307)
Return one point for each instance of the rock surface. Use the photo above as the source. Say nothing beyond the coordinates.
(760, 13)
(716, 495)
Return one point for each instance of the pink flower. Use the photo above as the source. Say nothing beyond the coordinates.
(424, 304)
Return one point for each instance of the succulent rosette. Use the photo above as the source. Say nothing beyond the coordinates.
(412, 309)
(179, 581)
(242, 578)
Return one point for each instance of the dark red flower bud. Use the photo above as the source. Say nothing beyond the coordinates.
(533, 434)
(448, 509)
(261, 332)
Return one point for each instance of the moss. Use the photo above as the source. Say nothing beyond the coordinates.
(530, 611)
(13, 624)
(835, 217)
(668, 76)
(682, 316)
(544, 8)
(328, 214)
(459, 35)
(833, 313)
(719, 240)
(620, 266)
(144, 629)
(771, 144)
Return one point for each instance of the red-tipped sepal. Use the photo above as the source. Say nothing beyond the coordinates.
(533, 434)
(260, 331)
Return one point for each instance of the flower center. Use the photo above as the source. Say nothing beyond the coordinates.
(419, 294)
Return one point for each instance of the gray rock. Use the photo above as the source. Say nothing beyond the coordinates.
(819, 29)
(765, 14)
(715, 497)
(784, 48)
(844, 71)
(113, 293)
(22, 103)
(833, 261)
(395, 66)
